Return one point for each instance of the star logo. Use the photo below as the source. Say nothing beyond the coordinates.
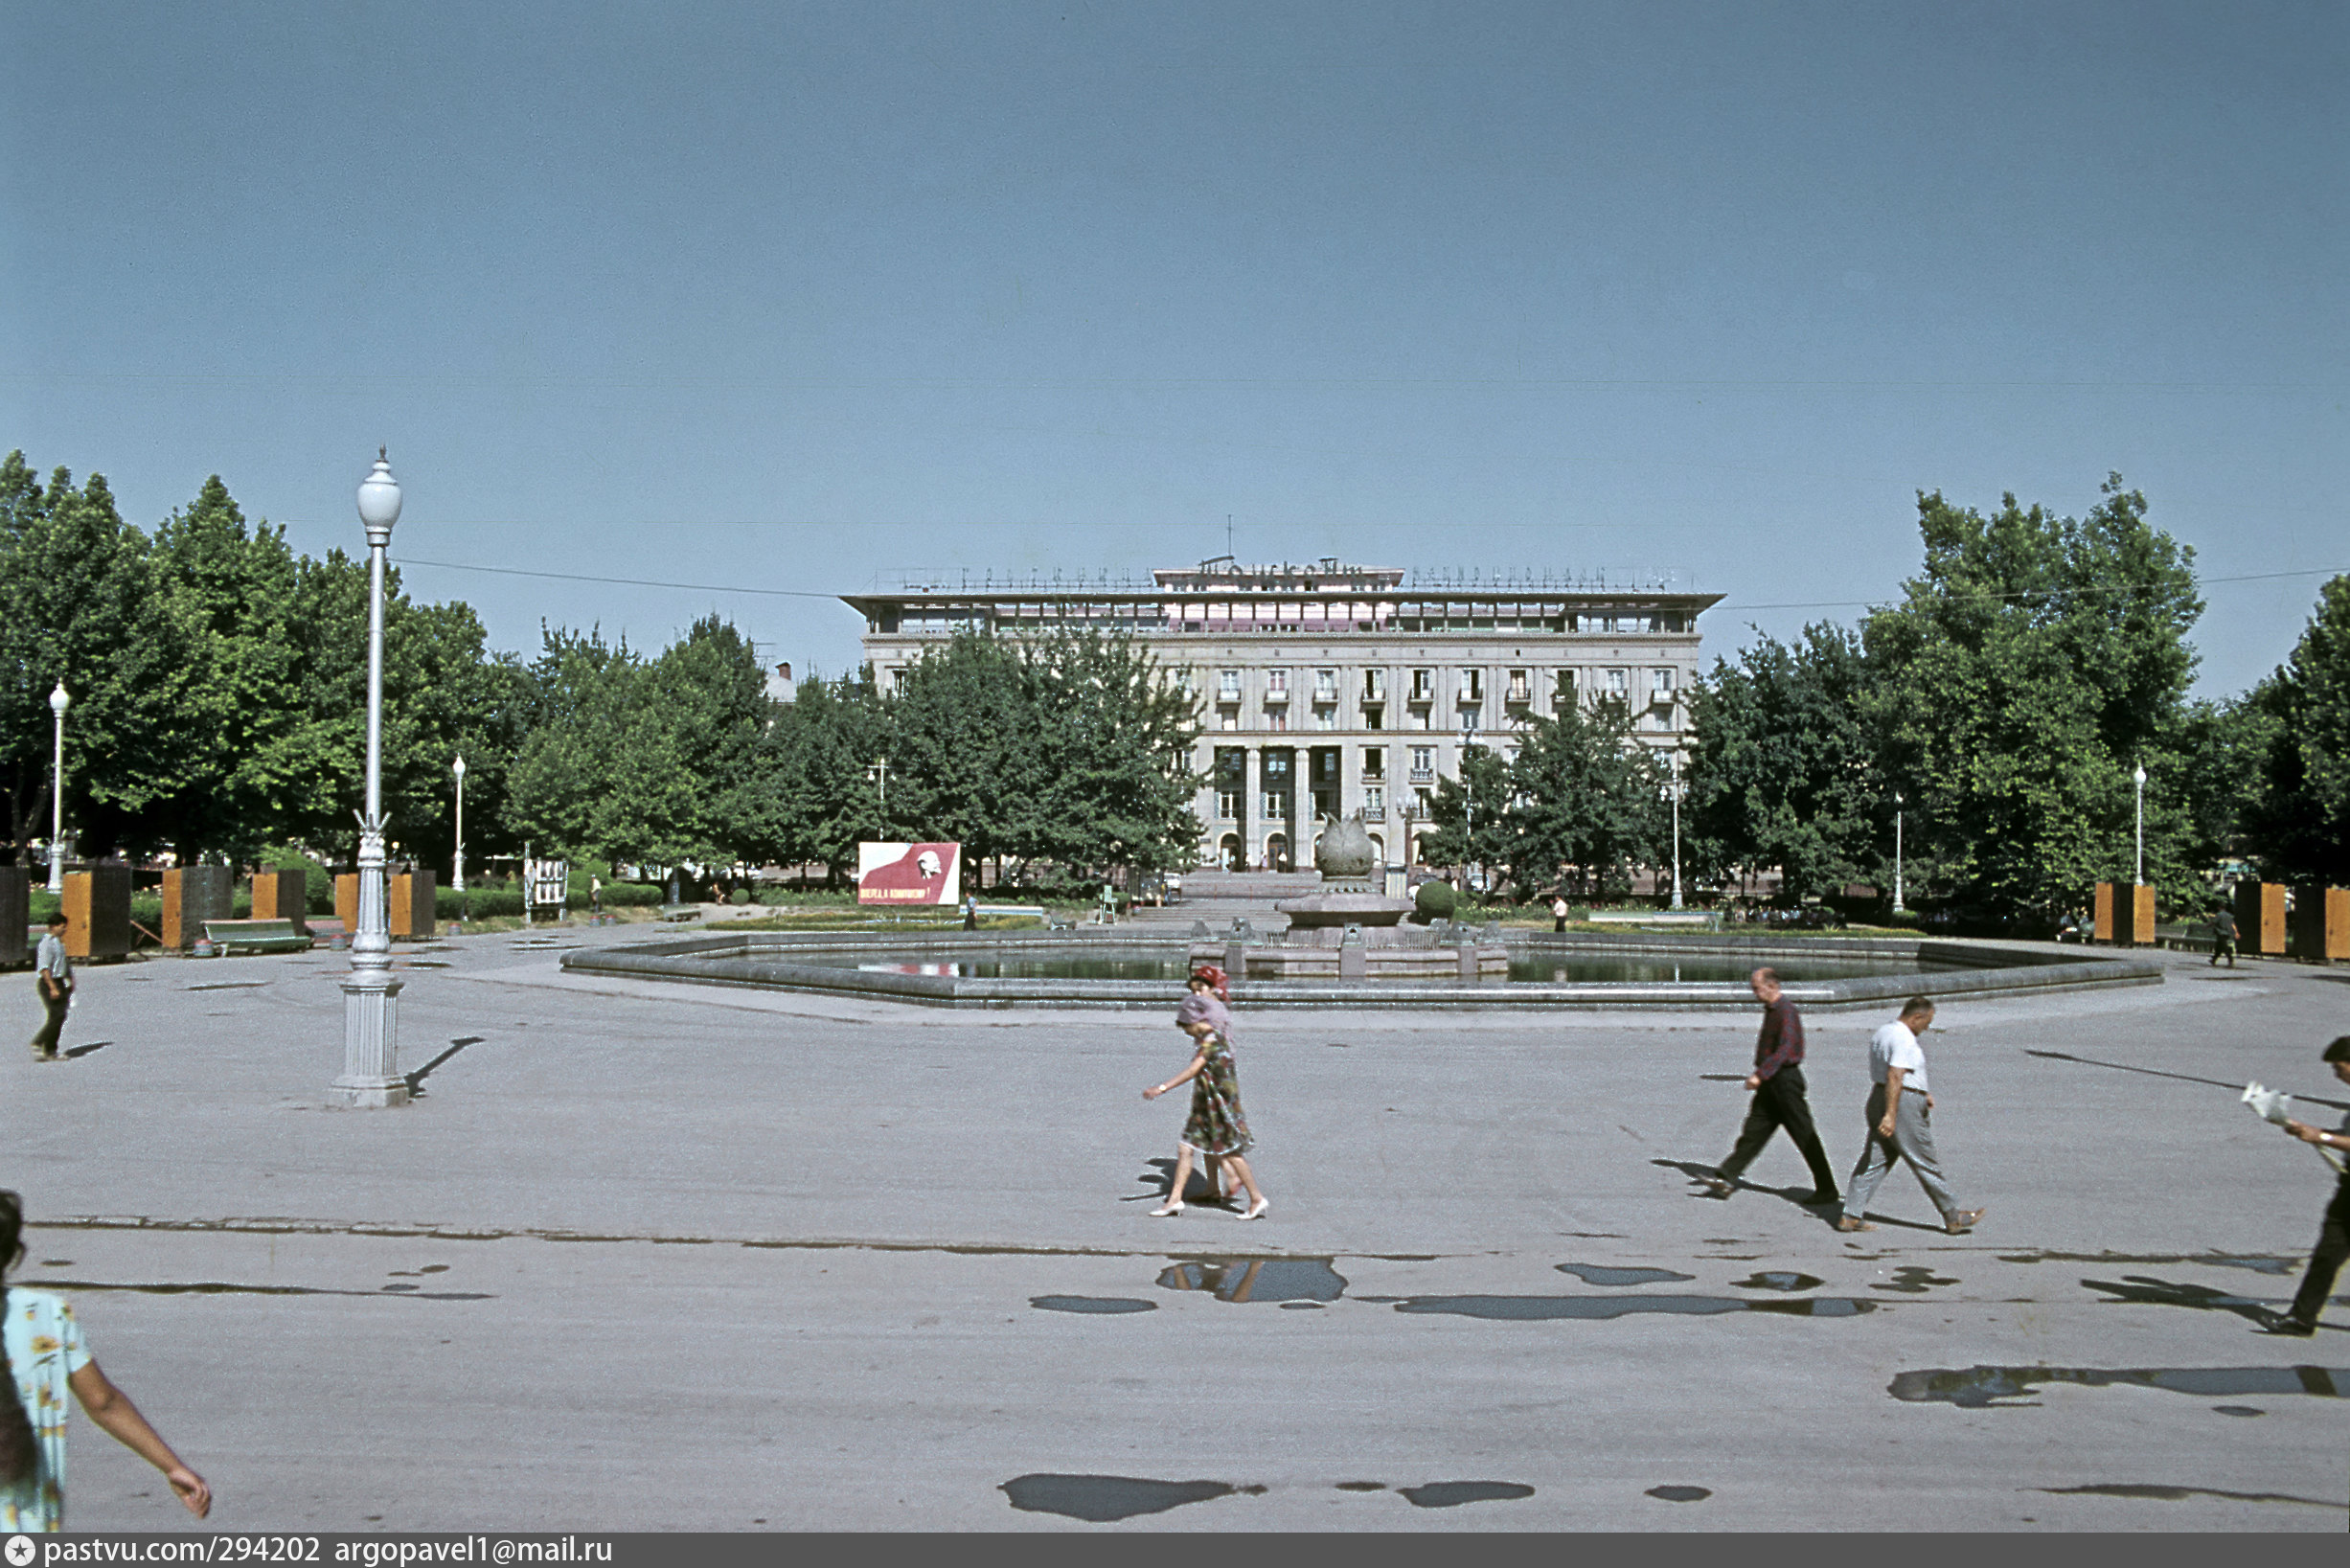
(19, 1551)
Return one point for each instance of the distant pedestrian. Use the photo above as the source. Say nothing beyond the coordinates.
(1900, 1123)
(1215, 1130)
(53, 976)
(970, 912)
(1558, 915)
(45, 1357)
(595, 896)
(2223, 937)
(2333, 1248)
(1779, 1102)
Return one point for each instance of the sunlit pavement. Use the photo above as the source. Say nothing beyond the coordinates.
(647, 1256)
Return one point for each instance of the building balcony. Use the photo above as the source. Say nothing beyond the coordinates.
(1273, 697)
(1422, 775)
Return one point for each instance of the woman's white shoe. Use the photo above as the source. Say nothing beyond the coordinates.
(1168, 1209)
(1258, 1210)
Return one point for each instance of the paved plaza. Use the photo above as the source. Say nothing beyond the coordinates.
(646, 1256)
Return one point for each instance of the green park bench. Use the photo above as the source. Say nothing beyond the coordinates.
(681, 912)
(234, 937)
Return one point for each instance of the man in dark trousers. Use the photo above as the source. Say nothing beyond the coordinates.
(2223, 937)
(2333, 1248)
(1777, 1087)
(53, 976)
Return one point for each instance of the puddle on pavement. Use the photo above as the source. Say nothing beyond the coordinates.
(1113, 1304)
(2238, 1410)
(1681, 1494)
(1539, 1309)
(1778, 1279)
(2179, 1494)
(229, 984)
(1914, 1281)
(2008, 1388)
(1362, 1486)
(1453, 1493)
(1596, 1274)
(1259, 1280)
(216, 1287)
(1101, 1499)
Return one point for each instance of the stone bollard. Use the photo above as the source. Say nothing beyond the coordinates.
(1201, 931)
(1352, 957)
(1467, 951)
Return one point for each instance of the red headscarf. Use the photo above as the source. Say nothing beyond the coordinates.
(1216, 980)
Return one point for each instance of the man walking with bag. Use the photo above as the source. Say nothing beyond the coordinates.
(1777, 1087)
(1900, 1122)
(53, 976)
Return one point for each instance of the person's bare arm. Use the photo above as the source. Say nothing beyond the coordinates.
(2316, 1135)
(1179, 1079)
(1893, 1098)
(120, 1420)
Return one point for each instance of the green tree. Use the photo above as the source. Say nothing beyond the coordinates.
(811, 798)
(1588, 803)
(1114, 732)
(2297, 821)
(74, 606)
(1784, 773)
(2033, 663)
(1468, 813)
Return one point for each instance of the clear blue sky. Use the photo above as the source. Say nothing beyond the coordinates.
(784, 297)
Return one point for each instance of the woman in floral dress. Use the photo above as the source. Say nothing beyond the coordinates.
(1216, 1129)
(46, 1356)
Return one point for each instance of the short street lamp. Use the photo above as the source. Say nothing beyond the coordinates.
(2140, 776)
(457, 861)
(1675, 756)
(371, 995)
(1897, 851)
(57, 704)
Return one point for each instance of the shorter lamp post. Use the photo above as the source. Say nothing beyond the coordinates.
(457, 860)
(2140, 778)
(1897, 851)
(1468, 796)
(59, 701)
(1675, 758)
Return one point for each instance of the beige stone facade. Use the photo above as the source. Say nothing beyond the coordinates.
(1327, 688)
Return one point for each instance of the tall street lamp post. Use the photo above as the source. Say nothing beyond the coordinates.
(371, 995)
(1468, 797)
(2139, 777)
(1675, 757)
(57, 703)
(1897, 851)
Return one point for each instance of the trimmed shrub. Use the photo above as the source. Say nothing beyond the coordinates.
(1433, 902)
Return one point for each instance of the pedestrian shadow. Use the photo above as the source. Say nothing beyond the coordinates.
(1793, 1196)
(76, 1053)
(1161, 1172)
(2145, 1290)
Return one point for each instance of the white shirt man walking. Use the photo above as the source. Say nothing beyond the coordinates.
(1900, 1123)
(53, 976)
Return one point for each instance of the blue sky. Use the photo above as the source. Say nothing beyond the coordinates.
(791, 296)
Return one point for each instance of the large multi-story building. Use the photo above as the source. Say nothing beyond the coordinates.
(1331, 689)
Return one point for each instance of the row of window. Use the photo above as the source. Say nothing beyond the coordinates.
(1662, 681)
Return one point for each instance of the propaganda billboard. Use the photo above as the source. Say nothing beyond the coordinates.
(909, 873)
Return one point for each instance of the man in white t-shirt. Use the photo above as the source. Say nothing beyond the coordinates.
(1901, 1124)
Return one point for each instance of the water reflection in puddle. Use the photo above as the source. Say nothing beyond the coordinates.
(1913, 1281)
(1113, 1304)
(2007, 1388)
(1778, 1279)
(1681, 1494)
(1259, 1280)
(1453, 1493)
(1100, 1499)
(1596, 1274)
(1539, 1308)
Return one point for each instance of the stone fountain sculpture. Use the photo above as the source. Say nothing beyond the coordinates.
(1349, 931)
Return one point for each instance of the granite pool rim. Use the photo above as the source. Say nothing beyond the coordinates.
(764, 960)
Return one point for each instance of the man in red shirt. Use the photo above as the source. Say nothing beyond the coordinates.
(1777, 1087)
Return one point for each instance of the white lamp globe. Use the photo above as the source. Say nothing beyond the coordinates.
(379, 500)
(59, 701)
